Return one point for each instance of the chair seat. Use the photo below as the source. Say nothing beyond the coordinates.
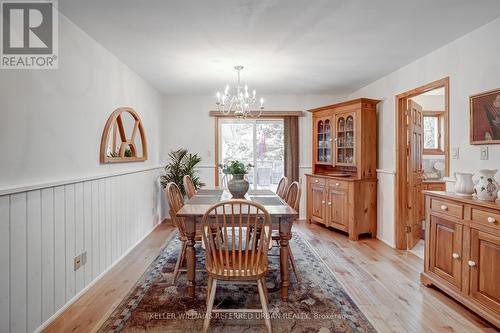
(235, 269)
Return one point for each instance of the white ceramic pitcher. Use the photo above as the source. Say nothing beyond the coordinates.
(486, 187)
(464, 184)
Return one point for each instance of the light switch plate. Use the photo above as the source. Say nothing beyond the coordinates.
(455, 153)
(484, 153)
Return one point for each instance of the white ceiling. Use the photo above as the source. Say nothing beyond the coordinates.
(286, 46)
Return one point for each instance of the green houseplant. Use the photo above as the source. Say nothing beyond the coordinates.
(181, 164)
(238, 185)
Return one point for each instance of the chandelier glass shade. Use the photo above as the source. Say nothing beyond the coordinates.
(242, 103)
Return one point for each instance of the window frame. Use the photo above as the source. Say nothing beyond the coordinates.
(439, 115)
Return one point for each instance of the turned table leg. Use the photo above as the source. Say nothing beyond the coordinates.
(285, 227)
(191, 256)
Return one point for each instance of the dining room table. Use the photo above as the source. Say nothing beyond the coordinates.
(282, 216)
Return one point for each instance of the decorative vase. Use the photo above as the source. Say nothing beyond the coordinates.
(238, 186)
(464, 184)
(486, 187)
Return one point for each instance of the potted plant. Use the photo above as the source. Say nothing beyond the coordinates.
(181, 164)
(238, 185)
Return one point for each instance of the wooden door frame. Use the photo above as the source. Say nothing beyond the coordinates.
(401, 195)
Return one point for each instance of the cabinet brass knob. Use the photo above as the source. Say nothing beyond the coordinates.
(491, 219)
(316, 180)
(455, 256)
(471, 263)
(323, 202)
(329, 203)
(444, 207)
(337, 184)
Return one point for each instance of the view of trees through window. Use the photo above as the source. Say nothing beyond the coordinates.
(258, 142)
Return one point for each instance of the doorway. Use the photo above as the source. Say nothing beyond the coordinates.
(422, 138)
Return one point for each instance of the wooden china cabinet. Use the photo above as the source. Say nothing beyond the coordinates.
(462, 251)
(342, 189)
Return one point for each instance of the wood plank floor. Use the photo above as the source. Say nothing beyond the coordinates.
(383, 282)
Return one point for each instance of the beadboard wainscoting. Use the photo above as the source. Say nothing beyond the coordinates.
(43, 229)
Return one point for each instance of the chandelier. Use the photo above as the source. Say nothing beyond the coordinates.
(241, 103)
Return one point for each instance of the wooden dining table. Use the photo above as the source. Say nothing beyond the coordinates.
(281, 214)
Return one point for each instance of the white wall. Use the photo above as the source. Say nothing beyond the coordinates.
(50, 131)
(473, 65)
(187, 125)
(52, 120)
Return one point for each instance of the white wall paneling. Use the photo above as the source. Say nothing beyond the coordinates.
(42, 230)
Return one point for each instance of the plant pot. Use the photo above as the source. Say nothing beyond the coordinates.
(238, 186)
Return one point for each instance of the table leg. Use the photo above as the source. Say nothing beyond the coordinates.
(190, 226)
(285, 228)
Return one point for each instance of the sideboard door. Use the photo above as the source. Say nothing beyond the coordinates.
(318, 202)
(446, 250)
(485, 269)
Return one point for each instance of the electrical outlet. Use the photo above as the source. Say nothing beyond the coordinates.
(77, 262)
(455, 153)
(84, 257)
(484, 153)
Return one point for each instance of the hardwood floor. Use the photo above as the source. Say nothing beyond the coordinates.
(383, 282)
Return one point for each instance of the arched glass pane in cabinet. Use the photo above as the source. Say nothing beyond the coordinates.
(349, 140)
(321, 142)
(328, 141)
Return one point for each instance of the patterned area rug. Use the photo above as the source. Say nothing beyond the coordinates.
(319, 304)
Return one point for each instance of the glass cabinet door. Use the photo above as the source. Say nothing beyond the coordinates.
(324, 141)
(345, 145)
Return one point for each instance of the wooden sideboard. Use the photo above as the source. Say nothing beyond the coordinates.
(462, 251)
(342, 189)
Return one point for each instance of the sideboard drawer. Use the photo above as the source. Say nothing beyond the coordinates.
(447, 207)
(340, 184)
(485, 217)
(318, 181)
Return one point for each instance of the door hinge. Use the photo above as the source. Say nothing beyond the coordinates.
(408, 229)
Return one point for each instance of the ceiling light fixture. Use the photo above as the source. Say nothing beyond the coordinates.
(240, 103)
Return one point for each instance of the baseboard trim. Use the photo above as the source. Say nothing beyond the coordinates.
(91, 284)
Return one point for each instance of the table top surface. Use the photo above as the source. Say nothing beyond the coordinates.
(206, 198)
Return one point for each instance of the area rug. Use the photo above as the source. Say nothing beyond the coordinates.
(319, 304)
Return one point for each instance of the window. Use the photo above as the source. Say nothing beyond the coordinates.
(258, 142)
(432, 133)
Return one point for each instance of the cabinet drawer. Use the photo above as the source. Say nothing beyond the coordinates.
(318, 181)
(340, 184)
(486, 217)
(447, 207)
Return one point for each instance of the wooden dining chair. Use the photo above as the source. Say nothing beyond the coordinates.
(175, 201)
(189, 186)
(237, 234)
(282, 186)
(292, 198)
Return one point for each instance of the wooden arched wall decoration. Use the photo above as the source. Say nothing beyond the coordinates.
(123, 148)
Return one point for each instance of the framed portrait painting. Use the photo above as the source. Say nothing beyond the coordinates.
(485, 118)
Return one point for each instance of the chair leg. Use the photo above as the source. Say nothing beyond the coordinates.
(210, 305)
(180, 259)
(264, 286)
(209, 288)
(263, 301)
(294, 266)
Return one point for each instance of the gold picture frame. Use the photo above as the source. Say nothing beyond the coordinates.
(485, 118)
